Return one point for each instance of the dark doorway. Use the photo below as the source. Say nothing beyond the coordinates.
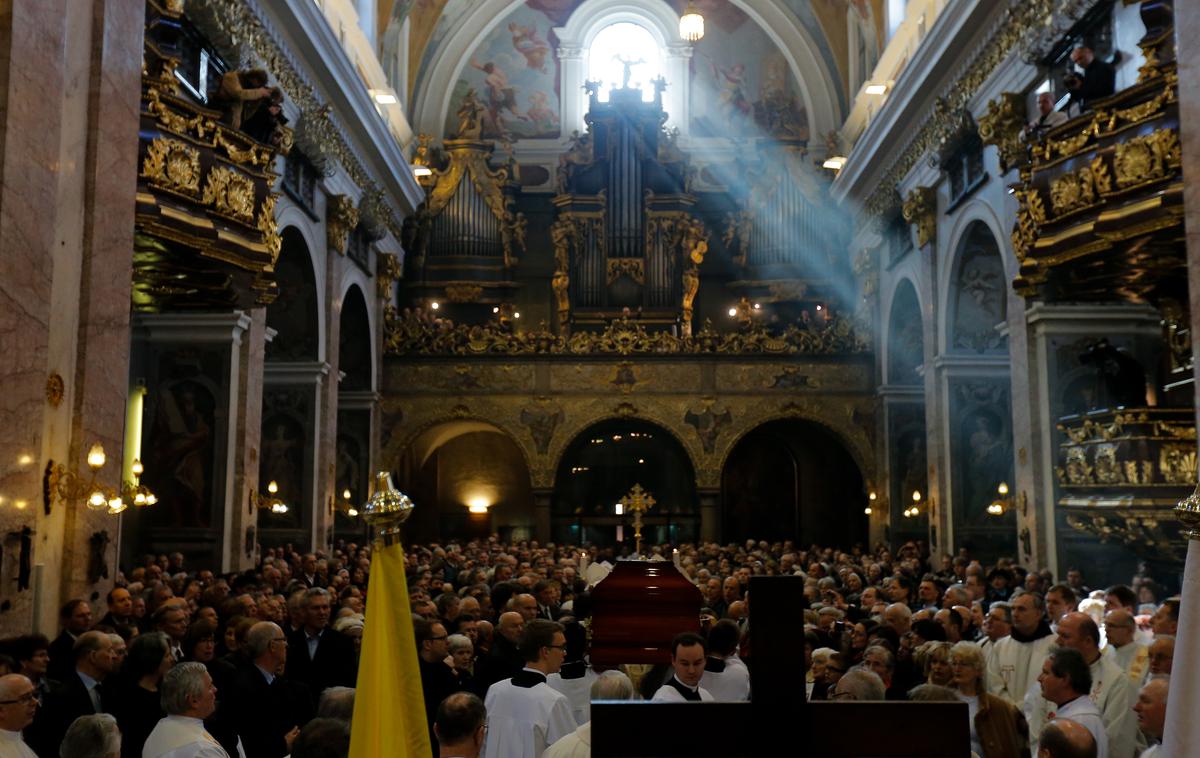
(793, 479)
(599, 468)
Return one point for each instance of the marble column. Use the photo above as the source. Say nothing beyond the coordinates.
(1049, 360)
(68, 163)
(203, 372)
(710, 513)
(935, 499)
(1182, 727)
(354, 457)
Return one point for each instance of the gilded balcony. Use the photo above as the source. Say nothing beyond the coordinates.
(206, 237)
(1101, 196)
(1121, 472)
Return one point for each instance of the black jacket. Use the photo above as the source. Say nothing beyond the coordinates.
(64, 703)
(261, 713)
(62, 659)
(334, 666)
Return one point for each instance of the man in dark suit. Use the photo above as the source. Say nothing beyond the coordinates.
(437, 679)
(308, 572)
(266, 708)
(320, 657)
(1099, 79)
(76, 618)
(120, 609)
(547, 593)
(77, 694)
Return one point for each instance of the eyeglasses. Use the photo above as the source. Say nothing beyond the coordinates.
(25, 699)
(435, 639)
(558, 647)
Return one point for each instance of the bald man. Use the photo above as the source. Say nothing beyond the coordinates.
(1063, 738)
(18, 704)
(1133, 658)
(1151, 710)
(503, 660)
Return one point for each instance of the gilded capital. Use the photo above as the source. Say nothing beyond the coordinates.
(920, 210)
(340, 219)
(1003, 125)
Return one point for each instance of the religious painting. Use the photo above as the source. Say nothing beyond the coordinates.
(906, 458)
(514, 73)
(906, 340)
(182, 444)
(979, 299)
(285, 457)
(742, 85)
(981, 458)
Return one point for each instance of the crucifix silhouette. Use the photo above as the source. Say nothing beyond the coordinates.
(628, 65)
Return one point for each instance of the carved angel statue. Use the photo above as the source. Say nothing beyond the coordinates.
(469, 125)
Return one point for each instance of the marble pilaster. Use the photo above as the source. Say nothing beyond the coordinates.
(710, 514)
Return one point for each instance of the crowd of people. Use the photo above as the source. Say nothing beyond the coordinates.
(263, 663)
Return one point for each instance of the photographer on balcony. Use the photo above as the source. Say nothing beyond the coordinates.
(1098, 80)
(243, 93)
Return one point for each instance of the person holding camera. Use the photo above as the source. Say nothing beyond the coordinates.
(1047, 119)
(1098, 80)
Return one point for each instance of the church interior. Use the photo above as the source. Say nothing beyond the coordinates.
(898, 275)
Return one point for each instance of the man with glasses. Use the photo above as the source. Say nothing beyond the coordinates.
(266, 709)
(1132, 658)
(526, 715)
(18, 704)
(437, 676)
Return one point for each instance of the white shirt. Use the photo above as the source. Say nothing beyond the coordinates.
(577, 744)
(182, 737)
(12, 745)
(578, 693)
(972, 702)
(1014, 666)
(668, 694)
(524, 721)
(729, 686)
(1084, 712)
(1114, 697)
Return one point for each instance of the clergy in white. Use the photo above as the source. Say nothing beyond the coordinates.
(1015, 661)
(725, 677)
(574, 680)
(610, 685)
(1123, 648)
(188, 697)
(526, 715)
(18, 704)
(1065, 682)
(688, 657)
(1110, 689)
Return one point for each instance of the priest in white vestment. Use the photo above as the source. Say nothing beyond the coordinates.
(610, 685)
(188, 697)
(1065, 682)
(1122, 647)
(1015, 661)
(526, 715)
(1151, 710)
(18, 705)
(688, 657)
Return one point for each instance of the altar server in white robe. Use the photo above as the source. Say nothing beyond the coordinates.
(725, 677)
(1016, 660)
(526, 715)
(1110, 690)
(688, 656)
(188, 697)
(574, 678)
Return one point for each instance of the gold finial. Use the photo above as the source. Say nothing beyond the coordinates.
(387, 509)
(1188, 513)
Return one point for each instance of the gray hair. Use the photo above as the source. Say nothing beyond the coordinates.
(183, 682)
(259, 638)
(312, 592)
(459, 642)
(612, 685)
(337, 703)
(92, 736)
(861, 684)
(972, 654)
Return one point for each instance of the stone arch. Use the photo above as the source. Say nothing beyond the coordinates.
(565, 436)
(904, 335)
(296, 315)
(976, 293)
(435, 82)
(356, 343)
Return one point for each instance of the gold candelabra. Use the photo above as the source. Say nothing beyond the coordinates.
(638, 500)
(270, 501)
(69, 486)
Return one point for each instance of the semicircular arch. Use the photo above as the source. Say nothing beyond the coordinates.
(857, 445)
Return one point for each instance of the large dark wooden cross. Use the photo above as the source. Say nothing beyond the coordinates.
(778, 721)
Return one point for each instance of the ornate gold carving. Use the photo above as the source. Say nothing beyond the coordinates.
(1031, 214)
(1147, 158)
(738, 228)
(340, 219)
(694, 245)
(564, 235)
(175, 122)
(470, 125)
(251, 155)
(173, 165)
(1078, 470)
(578, 153)
(408, 334)
(634, 268)
(269, 228)
(230, 194)
(1003, 126)
(463, 293)
(55, 389)
(1177, 463)
(387, 272)
(920, 210)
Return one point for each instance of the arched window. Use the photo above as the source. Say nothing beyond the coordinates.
(620, 47)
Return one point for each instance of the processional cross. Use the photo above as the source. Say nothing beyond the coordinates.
(637, 500)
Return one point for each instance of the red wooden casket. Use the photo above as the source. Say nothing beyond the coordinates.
(637, 610)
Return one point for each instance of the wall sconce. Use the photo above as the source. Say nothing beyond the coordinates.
(914, 510)
(871, 498)
(478, 505)
(270, 501)
(346, 505)
(69, 486)
(1002, 502)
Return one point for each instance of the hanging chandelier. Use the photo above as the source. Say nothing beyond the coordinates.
(691, 23)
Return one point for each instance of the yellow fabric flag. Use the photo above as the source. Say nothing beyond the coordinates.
(389, 709)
